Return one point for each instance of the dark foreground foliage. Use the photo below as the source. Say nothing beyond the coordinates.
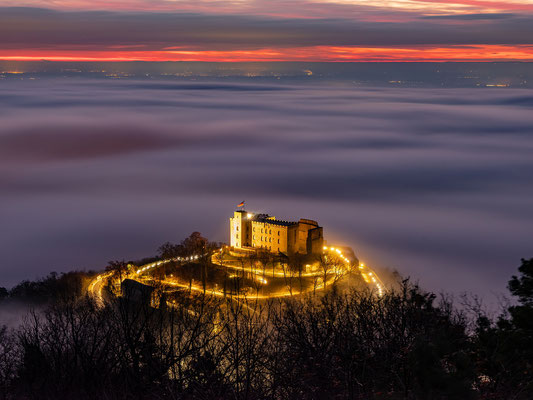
(344, 345)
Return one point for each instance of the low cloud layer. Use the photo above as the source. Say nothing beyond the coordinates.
(435, 183)
(78, 142)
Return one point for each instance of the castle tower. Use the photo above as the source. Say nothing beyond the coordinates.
(238, 229)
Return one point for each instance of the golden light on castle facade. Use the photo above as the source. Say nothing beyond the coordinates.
(263, 231)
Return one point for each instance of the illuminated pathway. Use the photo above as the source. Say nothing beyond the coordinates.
(371, 278)
(95, 288)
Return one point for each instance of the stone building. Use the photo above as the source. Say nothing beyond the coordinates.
(248, 230)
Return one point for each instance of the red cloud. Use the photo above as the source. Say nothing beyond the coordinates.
(315, 53)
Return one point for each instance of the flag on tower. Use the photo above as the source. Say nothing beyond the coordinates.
(241, 204)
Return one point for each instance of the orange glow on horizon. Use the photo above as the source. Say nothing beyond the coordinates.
(309, 54)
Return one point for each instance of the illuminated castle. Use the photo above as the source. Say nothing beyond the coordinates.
(250, 231)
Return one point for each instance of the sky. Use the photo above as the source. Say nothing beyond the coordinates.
(267, 30)
(436, 183)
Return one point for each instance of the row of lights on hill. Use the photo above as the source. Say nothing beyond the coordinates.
(369, 277)
(339, 253)
(158, 263)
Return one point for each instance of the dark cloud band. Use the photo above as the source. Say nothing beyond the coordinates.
(47, 29)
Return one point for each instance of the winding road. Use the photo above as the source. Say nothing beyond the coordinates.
(95, 288)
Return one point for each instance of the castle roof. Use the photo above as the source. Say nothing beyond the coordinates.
(276, 222)
(266, 219)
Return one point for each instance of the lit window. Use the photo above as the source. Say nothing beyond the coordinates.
(270, 232)
(254, 228)
(278, 233)
(237, 235)
(237, 228)
(278, 241)
(261, 230)
(270, 240)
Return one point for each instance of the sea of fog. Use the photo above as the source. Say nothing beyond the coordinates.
(436, 183)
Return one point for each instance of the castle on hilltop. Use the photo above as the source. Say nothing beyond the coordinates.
(253, 231)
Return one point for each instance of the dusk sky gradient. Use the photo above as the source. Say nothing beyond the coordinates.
(273, 30)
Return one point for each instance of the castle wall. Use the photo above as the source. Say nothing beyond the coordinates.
(269, 236)
(263, 231)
